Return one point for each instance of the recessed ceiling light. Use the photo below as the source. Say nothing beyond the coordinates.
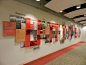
(61, 11)
(84, 15)
(78, 6)
(37, 0)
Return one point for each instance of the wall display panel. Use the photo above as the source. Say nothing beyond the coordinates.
(75, 32)
(64, 32)
(41, 34)
(32, 35)
(20, 35)
(61, 34)
(36, 30)
(9, 28)
(42, 25)
(42, 30)
(67, 33)
(56, 29)
(70, 32)
(47, 38)
(17, 19)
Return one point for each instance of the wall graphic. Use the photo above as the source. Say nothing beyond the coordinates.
(20, 35)
(29, 31)
(9, 28)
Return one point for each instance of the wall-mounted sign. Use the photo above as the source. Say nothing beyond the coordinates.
(20, 35)
(9, 28)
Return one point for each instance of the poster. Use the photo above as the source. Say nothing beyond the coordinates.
(9, 28)
(20, 35)
(47, 30)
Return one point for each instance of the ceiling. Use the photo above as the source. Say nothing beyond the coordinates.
(76, 13)
(60, 5)
(69, 8)
(79, 19)
(83, 22)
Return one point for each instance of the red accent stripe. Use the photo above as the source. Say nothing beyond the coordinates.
(28, 32)
(52, 56)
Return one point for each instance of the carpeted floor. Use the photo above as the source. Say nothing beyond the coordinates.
(76, 56)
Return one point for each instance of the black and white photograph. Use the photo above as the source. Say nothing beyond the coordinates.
(35, 37)
(47, 38)
(23, 44)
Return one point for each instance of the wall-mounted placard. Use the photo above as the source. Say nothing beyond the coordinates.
(47, 30)
(20, 35)
(9, 28)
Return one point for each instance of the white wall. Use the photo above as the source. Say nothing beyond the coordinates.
(10, 51)
(84, 33)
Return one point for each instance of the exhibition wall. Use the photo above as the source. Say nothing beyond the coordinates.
(10, 51)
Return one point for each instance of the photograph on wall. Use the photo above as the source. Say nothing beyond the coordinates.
(23, 26)
(35, 37)
(42, 25)
(47, 38)
(34, 32)
(9, 28)
(23, 44)
(18, 25)
(58, 35)
(67, 34)
(53, 32)
(18, 19)
(35, 27)
(31, 37)
(31, 32)
(41, 36)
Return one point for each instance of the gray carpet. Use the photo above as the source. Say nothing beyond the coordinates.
(76, 56)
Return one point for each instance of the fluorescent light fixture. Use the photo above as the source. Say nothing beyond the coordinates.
(61, 11)
(37, 0)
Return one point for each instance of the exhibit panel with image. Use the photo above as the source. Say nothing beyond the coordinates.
(9, 28)
(52, 25)
(33, 34)
(29, 31)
